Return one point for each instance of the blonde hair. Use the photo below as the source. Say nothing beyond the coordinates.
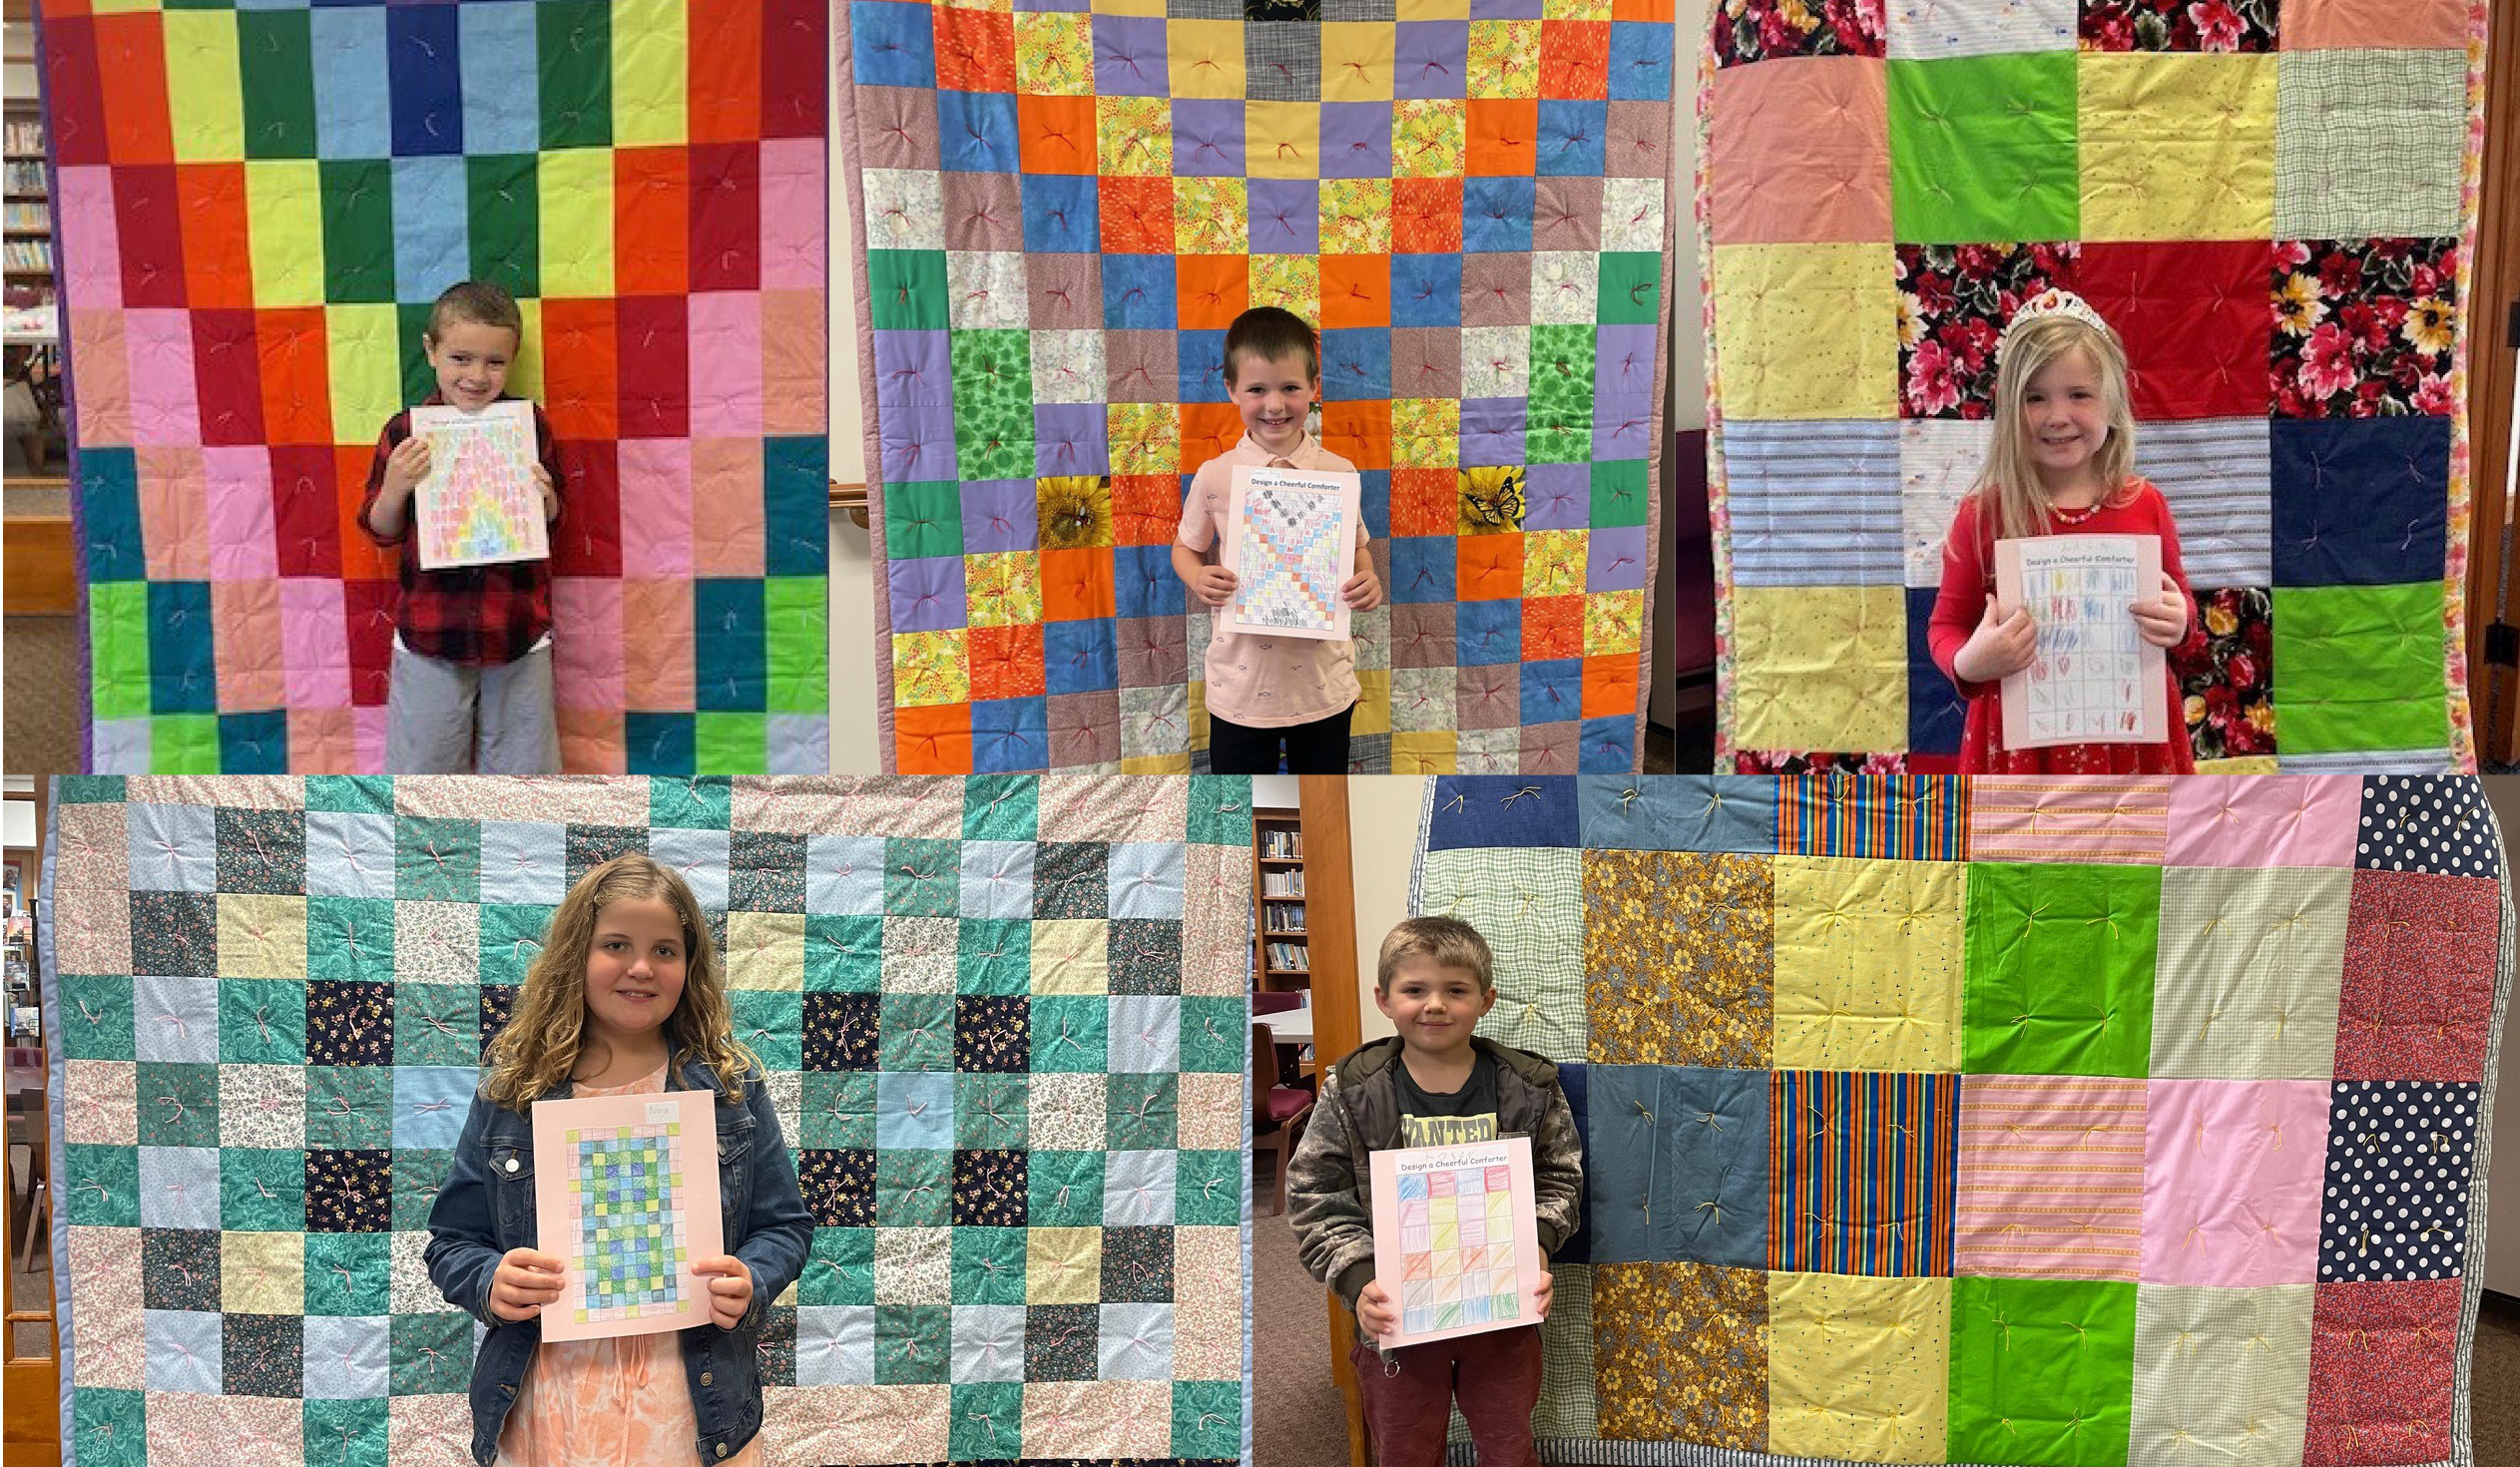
(539, 1046)
(2009, 484)
(1447, 942)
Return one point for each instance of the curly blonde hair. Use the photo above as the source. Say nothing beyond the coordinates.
(539, 1046)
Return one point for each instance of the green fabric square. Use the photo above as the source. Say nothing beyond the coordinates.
(109, 1425)
(1143, 1112)
(915, 1031)
(432, 1355)
(179, 1104)
(510, 938)
(503, 197)
(2060, 975)
(96, 1017)
(797, 647)
(1070, 1034)
(993, 412)
(87, 789)
(1221, 810)
(2359, 668)
(2042, 1371)
(275, 66)
(358, 228)
(988, 1265)
(2331, 184)
(1063, 1189)
(417, 1177)
(411, 322)
(986, 1421)
(989, 1112)
(575, 75)
(841, 1268)
(118, 641)
(358, 1425)
(102, 1183)
(352, 794)
(994, 956)
(906, 289)
(263, 1020)
(1630, 290)
(1618, 493)
(1559, 425)
(264, 1191)
(1207, 1189)
(922, 878)
(844, 954)
(437, 860)
(1985, 147)
(693, 802)
(350, 1107)
(437, 1024)
(184, 744)
(914, 1189)
(1206, 1418)
(350, 1272)
(735, 743)
(772, 1024)
(923, 520)
(1216, 1035)
(351, 937)
(912, 1343)
(839, 1110)
(1000, 807)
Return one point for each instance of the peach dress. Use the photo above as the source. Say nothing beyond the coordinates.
(624, 1400)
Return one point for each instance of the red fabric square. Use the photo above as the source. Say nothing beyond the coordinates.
(2419, 988)
(652, 189)
(217, 261)
(2196, 320)
(226, 384)
(1425, 501)
(726, 230)
(1573, 57)
(1146, 509)
(579, 393)
(975, 50)
(1137, 216)
(2381, 1361)
(296, 379)
(1425, 216)
(1006, 661)
(1553, 628)
(306, 522)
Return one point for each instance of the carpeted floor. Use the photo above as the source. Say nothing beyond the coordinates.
(39, 695)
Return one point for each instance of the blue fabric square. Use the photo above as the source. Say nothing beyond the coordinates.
(1640, 60)
(2399, 1153)
(179, 1186)
(915, 1110)
(1606, 744)
(892, 45)
(1707, 813)
(349, 1358)
(1202, 367)
(525, 863)
(1010, 734)
(1138, 292)
(253, 744)
(1426, 289)
(660, 743)
(1138, 1189)
(349, 82)
(109, 490)
(1496, 215)
(845, 875)
(701, 857)
(1423, 570)
(1144, 878)
(1136, 1342)
(1675, 1164)
(183, 1349)
(1082, 656)
(502, 92)
(997, 879)
(1143, 585)
(998, 515)
(1572, 138)
(1504, 809)
(1373, 497)
(175, 847)
(978, 131)
(430, 1102)
(431, 246)
(1062, 214)
(1356, 364)
(1488, 632)
(1935, 711)
(835, 1344)
(1553, 690)
(1145, 1036)
(174, 1020)
(2359, 501)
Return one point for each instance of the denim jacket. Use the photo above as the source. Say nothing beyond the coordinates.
(487, 1207)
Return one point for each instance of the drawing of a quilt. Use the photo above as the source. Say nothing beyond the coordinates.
(1062, 206)
(1006, 1030)
(257, 206)
(2053, 1121)
(1882, 183)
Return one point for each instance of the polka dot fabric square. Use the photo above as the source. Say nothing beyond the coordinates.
(2400, 1157)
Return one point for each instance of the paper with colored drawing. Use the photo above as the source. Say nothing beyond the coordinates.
(2094, 679)
(479, 504)
(1457, 1240)
(1290, 541)
(628, 1201)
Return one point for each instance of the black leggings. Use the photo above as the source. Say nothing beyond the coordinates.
(1318, 748)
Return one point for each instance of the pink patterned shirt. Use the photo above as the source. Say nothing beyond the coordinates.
(1268, 682)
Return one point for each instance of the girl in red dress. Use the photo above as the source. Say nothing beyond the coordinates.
(2061, 464)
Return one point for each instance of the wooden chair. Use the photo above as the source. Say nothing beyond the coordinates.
(1278, 1111)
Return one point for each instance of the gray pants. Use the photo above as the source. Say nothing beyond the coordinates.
(444, 717)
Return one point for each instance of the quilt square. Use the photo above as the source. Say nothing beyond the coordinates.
(1653, 1323)
(1675, 1164)
(2359, 500)
(2051, 1178)
(2232, 1173)
(1678, 958)
(2177, 146)
(2326, 97)
(2060, 969)
(1869, 964)
(2222, 1368)
(2215, 472)
(1861, 1173)
(1806, 330)
(1795, 184)
(2382, 1368)
(2387, 699)
(1527, 904)
(2249, 968)
(2419, 977)
(2424, 824)
(1813, 503)
(1820, 667)
(2398, 1163)
(2042, 1371)
(2191, 316)
(1982, 148)
(1893, 1410)
(2232, 820)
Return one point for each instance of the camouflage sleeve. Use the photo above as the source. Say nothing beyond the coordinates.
(1333, 1230)
(1557, 1172)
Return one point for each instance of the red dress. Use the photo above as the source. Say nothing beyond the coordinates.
(1968, 575)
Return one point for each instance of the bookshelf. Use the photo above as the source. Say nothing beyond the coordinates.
(30, 320)
(1283, 953)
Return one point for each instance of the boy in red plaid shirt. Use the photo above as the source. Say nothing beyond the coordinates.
(471, 690)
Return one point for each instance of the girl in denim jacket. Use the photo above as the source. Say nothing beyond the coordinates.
(625, 998)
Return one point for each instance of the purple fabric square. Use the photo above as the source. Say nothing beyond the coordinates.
(1286, 217)
(1614, 557)
(927, 593)
(1623, 360)
(919, 443)
(1623, 426)
(1505, 9)
(1492, 430)
(913, 367)
(1129, 56)
(1054, 5)
(1000, 514)
(1355, 140)
(1558, 496)
(1207, 137)
(1430, 58)
(1071, 438)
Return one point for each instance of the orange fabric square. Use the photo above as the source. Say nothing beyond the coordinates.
(1553, 627)
(656, 673)
(363, 559)
(652, 203)
(296, 379)
(1799, 150)
(2347, 25)
(1645, 10)
(1146, 509)
(1425, 501)
(1504, 136)
(579, 392)
(323, 741)
(1359, 432)
(592, 742)
(1610, 685)
(1488, 568)
(1425, 216)
(975, 49)
(1137, 216)
(725, 88)
(1214, 288)
(131, 62)
(1208, 429)
(1006, 661)
(935, 740)
(1076, 585)
(1053, 135)
(1356, 291)
(217, 268)
(1572, 55)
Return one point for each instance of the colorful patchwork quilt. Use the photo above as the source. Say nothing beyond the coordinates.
(2053, 1121)
(2274, 206)
(1006, 1030)
(256, 207)
(1061, 208)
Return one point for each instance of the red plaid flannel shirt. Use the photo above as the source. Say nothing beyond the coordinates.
(478, 616)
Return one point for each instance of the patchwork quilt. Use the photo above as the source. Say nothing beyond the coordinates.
(2054, 1122)
(1882, 181)
(1006, 1030)
(1062, 206)
(256, 207)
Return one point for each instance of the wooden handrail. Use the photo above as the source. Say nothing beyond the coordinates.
(850, 497)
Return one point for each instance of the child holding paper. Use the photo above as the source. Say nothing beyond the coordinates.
(471, 688)
(1265, 690)
(2061, 464)
(625, 998)
(1434, 1084)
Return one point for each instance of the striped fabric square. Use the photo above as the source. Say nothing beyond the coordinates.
(1815, 503)
(1909, 816)
(2051, 1178)
(1939, 462)
(2213, 472)
(2054, 819)
(1862, 1172)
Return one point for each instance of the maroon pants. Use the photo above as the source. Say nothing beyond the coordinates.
(1495, 1376)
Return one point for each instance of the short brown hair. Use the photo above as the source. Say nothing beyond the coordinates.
(1269, 332)
(1449, 942)
(475, 302)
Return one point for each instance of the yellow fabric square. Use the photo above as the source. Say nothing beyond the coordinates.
(1134, 137)
(1129, 7)
(1291, 282)
(1552, 562)
(1002, 588)
(525, 374)
(285, 202)
(1146, 437)
(1156, 764)
(930, 667)
(1575, 10)
(1428, 138)
(2178, 146)
(1857, 1368)
(1063, 1266)
(1820, 668)
(262, 1272)
(1424, 751)
(1434, 9)
(1373, 702)
(1211, 217)
(650, 55)
(1425, 432)
(1281, 140)
(261, 936)
(363, 351)
(1806, 331)
(1869, 964)
(1356, 60)
(1613, 622)
(1070, 956)
(1054, 53)
(574, 186)
(204, 106)
(765, 950)
(1355, 216)
(1504, 58)
(1205, 57)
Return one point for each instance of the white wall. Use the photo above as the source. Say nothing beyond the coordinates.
(1382, 840)
(2502, 1183)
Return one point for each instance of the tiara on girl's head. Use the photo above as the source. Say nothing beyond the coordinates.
(2048, 303)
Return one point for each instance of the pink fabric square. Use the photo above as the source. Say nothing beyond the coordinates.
(237, 483)
(656, 539)
(585, 642)
(2382, 1359)
(87, 249)
(220, 1431)
(323, 741)
(1798, 148)
(795, 211)
(166, 398)
(657, 664)
(2051, 1179)
(728, 516)
(795, 396)
(726, 357)
(2232, 1173)
(368, 728)
(173, 514)
(2066, 817)
(2418, 993)
(2250, 820)
(2345, 25)
(314, 645)
(253, 671)
(98, 345)
(104, 1270)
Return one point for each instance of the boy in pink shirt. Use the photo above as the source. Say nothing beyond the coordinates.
(1263, 690)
